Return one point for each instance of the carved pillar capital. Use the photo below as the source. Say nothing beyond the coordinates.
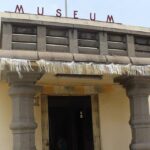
(28, 78)
(135, 85)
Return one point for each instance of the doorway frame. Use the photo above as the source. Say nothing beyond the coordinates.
(95, 121)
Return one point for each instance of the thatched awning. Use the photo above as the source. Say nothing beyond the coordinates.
(22, 61)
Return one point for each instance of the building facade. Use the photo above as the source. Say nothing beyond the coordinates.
(71, 84)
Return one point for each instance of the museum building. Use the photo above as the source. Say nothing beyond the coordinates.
(73, 84)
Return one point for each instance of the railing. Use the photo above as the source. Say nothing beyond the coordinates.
(34, 37)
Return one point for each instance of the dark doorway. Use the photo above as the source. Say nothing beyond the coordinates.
(70, 123)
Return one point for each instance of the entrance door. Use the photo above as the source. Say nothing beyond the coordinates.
(70, 123)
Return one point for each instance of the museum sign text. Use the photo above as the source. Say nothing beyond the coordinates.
(40, 11)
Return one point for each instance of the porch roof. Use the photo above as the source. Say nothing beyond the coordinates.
(89, 47)
(67, 63)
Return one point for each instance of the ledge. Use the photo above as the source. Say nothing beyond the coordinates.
(69, 57)
(11, 17)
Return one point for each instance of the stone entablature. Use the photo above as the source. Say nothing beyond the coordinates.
(53, 34)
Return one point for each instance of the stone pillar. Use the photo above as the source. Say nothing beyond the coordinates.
(41, 38)
(103, 43)
(73, 41)
(23, 125)
(138, 91)
(130, 45)
(7, 36)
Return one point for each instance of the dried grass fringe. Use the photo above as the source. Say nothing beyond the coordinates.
(15, 65)
(21, 65)
(92, 68)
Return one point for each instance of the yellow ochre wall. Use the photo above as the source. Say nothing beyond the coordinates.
(5, 118)
(114, 117)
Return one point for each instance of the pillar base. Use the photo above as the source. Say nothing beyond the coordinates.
(140, 146)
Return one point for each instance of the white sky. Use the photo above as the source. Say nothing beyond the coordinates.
(131, 12)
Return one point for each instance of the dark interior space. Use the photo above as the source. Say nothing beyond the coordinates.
(70, 123)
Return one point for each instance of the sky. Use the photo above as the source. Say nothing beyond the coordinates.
(129, 12)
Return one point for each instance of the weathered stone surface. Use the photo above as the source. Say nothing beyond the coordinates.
(118, 59)
(41, 38)
(23, 125)
(73, 23)
(89, 58)
(55, 56)
(103, 44)
(138, 90)
(17, 54)
(55, 34)
(73, 40)
(140, 61)
(7, 36)
(130, 45)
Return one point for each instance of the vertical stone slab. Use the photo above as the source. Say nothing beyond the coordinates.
(23, 125)
(6, 36)
(41, 38)
(138, 91)
(103, 43)
(96, 122)
(45, 123)
(130, 45)
(73, 40)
